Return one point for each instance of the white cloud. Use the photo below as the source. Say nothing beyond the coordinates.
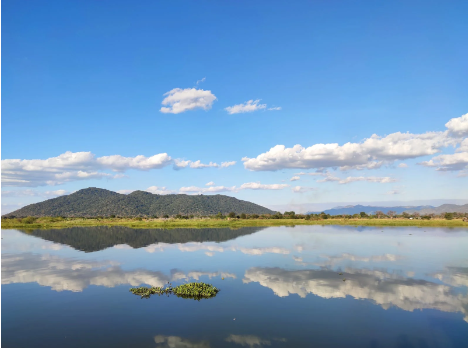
(180, 164)
(402, 165)
(66, 274)
(295, 178)
(178, 342)
(258, 186)
(251, 340)
(72, 166)
(181, 100)
(302, 189)
(211, 189)
(249, 106)
(120, 163)
(380, 180)
(458, 126)
(394, 192)
(227, 164)
(328, 177)
(33, 193)
(157, 190)
(351, 155)
(275, 108)
(125, 192)
(451, 162)
(199, 165)
(200, 81)
(379, 287)
(211, 183)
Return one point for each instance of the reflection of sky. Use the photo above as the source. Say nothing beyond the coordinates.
(405, 269)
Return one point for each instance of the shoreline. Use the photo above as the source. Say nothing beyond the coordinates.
(234, 223)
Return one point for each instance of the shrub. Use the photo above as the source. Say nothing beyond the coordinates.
(448, 216)
(29, 220)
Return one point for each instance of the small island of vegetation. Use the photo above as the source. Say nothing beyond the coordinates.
(196, 291)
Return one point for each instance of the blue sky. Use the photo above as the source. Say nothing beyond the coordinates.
(88, 76)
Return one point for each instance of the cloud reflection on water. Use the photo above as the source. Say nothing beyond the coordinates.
(386, 290)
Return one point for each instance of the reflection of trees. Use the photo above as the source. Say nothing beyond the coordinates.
(75, 275)
(97, 238)
(405, 293)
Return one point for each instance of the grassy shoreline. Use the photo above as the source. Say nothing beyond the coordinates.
(234, 223)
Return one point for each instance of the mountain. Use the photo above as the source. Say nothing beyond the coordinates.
(356, 209)
(91, 239)
(93, 202)
(422, 209)
(444, 208)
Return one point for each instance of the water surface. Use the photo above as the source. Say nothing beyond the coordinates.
(303, 286)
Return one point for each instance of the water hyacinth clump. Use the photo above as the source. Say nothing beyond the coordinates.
(195, 291)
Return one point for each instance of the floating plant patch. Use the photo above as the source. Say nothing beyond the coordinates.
(196, 291)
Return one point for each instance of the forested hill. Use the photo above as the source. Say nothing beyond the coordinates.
(90, 239)
(92, 202)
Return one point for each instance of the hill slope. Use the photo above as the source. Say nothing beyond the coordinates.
(356, 209)
(444, 208)
(423, 209)
(92, 202)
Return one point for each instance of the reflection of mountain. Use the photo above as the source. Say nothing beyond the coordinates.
(75, 275)
(383, 289)
(91, 239)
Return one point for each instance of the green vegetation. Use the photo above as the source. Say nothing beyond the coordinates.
(196, 291)
(220, 222)
(94, 202)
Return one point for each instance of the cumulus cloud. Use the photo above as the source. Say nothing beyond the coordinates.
(180, 164)
(302, 189)
(383, 289)
(200, 81)
(249, 106)
(371, 153)
(259, 186)
(295, 178)
(212, 248)
(211, 189)
(73, 166)
(328, 177)
(451, 162)
(211, 183)
(178, 342)
(227, 164)
(402, 165)
(158, 190)
(66, 274)
(120, 163)
(33, 193)
(180, 100)
(396, 146)
(458, 126)
(275, 108)
(246, 186)
(251, 340)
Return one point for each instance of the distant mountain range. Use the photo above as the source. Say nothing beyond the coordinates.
(423, 209)
(93, 202)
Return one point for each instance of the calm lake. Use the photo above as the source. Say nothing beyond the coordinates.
(280, 287)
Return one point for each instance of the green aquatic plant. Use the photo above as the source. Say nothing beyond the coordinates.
(196, 291)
